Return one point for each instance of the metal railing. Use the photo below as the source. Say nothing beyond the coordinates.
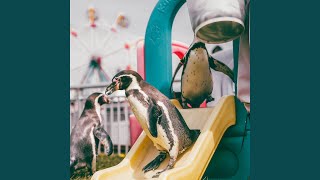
(115, 116)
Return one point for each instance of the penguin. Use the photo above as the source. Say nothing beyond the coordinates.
(87, 133)
(158, 117)
(196, 79)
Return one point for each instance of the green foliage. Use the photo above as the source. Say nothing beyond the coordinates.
(103, 161)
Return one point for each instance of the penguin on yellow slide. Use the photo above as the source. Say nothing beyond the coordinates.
(159, 118)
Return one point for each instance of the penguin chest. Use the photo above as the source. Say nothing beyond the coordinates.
(196, 79)
(93, 143)
(140, 111)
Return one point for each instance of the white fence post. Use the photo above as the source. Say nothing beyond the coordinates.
(126, 117)
(119, 125)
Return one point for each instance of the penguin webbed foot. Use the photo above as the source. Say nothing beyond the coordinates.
(91, 172)
(157, 175)
(184, 104)
(72, 169)
(154, 164)
(170, 166)
(209, 99)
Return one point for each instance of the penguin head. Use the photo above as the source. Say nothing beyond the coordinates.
(96, 99)
(197, 45)
(193, 47)
(103, 99)
(123, 80)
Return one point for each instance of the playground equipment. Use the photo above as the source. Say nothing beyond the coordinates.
(221, 151)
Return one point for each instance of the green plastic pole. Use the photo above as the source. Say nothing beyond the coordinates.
(158, 52)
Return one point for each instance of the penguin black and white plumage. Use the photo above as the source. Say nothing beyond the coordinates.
(196, 79)
(87, 133)
(159, 118)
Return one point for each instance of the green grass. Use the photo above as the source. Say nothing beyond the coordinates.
(103, 161)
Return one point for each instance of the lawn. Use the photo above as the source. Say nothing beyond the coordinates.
(103, 161)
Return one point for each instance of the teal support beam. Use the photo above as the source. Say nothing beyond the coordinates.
(158, 51)
(235, 48)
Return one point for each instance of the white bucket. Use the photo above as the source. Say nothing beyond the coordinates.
(217, 21)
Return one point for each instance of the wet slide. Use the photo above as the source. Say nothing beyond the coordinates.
(213, 122)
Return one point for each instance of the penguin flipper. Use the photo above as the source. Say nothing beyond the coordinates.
(100, 133)
(174, 75)
(216, 49)
(221, 67)
(155, 115)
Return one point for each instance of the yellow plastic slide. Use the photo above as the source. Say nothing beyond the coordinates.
(213, 122)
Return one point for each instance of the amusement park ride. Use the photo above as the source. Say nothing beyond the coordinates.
(96, 41)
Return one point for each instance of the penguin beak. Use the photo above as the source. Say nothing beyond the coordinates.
(114, 86)
(106, 99)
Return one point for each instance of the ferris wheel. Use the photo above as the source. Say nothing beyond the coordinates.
(99, 50)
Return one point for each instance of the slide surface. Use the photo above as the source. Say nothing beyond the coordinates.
(213, 122)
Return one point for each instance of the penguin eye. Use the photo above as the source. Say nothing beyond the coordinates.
(116, 79)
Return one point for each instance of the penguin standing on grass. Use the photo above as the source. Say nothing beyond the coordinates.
(196, 79)
(87, 133)
(159, 118)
